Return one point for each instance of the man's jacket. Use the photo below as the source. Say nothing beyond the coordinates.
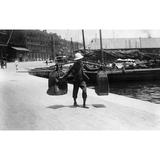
(77, 72)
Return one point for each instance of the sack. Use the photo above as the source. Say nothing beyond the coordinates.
(54, 90)
(102, 87)
(56, 86)
(53, 78)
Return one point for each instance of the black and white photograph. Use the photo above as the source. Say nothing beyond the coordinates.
(80, 79)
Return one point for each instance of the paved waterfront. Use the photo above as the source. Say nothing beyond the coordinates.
(24, 105)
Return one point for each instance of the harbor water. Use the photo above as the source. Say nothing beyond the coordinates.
(147, 91)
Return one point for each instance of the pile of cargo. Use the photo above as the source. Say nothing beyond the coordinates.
(113, 55)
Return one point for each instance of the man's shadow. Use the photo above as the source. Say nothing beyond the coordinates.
(60, 106)
(99, 105)
(79, 106)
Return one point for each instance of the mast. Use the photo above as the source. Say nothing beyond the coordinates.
(140, 43)
(102, 56)
(72, 47)
(52, 48)
(84, 46)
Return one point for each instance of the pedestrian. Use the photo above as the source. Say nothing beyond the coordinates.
(5, 63)
(2, 63)
(16, 64)
(47, 62)
(79, 78)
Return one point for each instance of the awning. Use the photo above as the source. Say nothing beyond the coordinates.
(3, 45)
(21, 49)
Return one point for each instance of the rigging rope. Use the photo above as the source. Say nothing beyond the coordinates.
(10, 36)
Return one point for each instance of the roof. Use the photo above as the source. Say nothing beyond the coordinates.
(3, 45)
(21, 49)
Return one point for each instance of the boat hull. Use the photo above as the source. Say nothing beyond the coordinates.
(113, 76)
(135, 75)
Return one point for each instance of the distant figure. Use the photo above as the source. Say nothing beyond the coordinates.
(123, 69)
(99, 62)
(79, 79)
(16, 64)
(114, 66)
(46, 62)
(3, 63)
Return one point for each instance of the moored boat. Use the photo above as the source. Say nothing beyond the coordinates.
(146, 74)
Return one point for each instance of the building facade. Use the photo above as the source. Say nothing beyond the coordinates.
(39, 44)
(126, 43)
(31, 45)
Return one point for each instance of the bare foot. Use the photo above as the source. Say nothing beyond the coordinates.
(75, 104)
(84, 106)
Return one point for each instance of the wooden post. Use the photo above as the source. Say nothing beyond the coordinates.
(83, 41)
(77, 46)
(129, 43)
(72, 47)
(140, 42)
(52, 48)
(102, 57)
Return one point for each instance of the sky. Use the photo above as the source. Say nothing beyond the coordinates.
(91, 34)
